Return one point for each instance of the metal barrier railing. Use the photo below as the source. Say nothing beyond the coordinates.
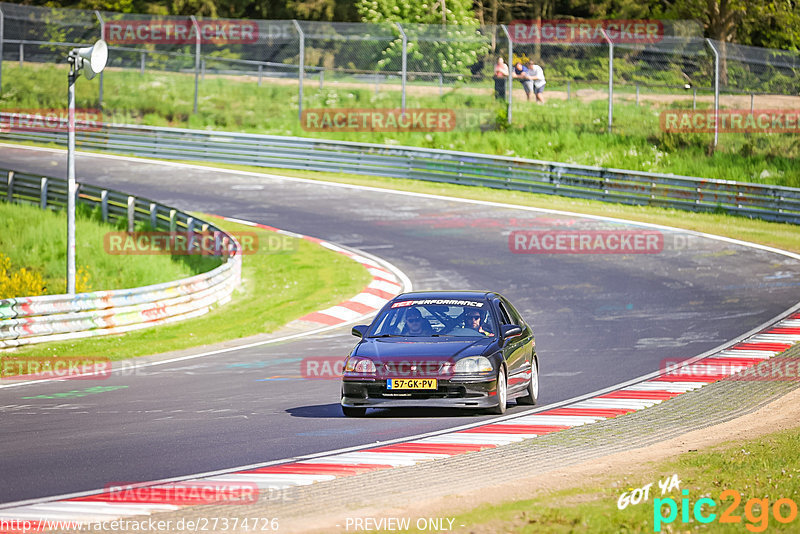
(28, 320)
(768, 202)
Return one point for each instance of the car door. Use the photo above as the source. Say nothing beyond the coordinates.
(514, 348)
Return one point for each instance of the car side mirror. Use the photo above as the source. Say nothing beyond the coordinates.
(510, 330)
(359, 330)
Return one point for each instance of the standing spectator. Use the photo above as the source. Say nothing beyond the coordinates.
(500, 76)
(521, 73)
(536, 75)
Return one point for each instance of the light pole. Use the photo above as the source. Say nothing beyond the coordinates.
(91, 60)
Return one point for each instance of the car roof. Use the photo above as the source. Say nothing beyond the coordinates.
(456, 295)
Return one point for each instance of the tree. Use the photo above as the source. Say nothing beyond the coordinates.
(454, 46)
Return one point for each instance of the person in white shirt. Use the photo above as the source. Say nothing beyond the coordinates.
(536, 74)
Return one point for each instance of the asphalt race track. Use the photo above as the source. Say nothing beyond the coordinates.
(599, 319)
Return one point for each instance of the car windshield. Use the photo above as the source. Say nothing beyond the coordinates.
(426, 318)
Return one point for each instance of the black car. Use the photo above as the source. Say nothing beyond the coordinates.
(463, 349)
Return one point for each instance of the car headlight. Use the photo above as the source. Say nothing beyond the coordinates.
(359, 365)
(473, 364)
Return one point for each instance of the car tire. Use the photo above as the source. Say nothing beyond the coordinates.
(350, 411)
(532, 391)
(502, 394)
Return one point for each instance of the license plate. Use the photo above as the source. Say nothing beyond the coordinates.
(411, 383)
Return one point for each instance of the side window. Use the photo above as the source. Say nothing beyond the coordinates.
(504, 316)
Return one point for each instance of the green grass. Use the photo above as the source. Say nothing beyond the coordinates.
(763, 468)
(36, 239)
(568, 131)
(278, 285)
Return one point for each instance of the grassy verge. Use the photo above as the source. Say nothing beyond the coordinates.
(571, 131)
(780, 235)
(279, 284)
(35, 239)
(763, 468)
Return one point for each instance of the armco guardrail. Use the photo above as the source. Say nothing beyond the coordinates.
(30, 320)
(767, 202)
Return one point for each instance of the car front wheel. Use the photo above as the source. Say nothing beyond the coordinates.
(502, 393)
(532, 391)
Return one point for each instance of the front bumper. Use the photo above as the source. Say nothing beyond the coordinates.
(467, 392)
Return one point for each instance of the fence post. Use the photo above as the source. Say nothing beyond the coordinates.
(637, 94)
(21, 53)
(403, 66)
(301, 68)
(196, 60)
(610, 79)
(260, 73)
(694, 98)
(131, 213)
(141, 65)
(43, 193)
(103, 37)
(10, 186)
(2, 38)
(752, 102)
(569, 89)
(321, 79)
(716, 91)
(173, 223)
(203, 69)
(510, 83)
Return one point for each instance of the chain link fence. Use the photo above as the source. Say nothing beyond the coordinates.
(333, 65)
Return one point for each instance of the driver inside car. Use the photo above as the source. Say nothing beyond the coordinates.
(473, 321)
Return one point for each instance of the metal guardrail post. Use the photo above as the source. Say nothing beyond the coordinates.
(131, 213)
(103, 37)
(404, 67)
(716, 91)
(260, 73)
(21, 53)
(301, 68)
(10, 186)
(196, 61)
(141, 64)
(153, 216)
(610, 79)
(104, 204)
(43, 193)
(173, 223)
(510, 82)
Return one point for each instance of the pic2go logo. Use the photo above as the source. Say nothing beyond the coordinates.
(756, 511)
